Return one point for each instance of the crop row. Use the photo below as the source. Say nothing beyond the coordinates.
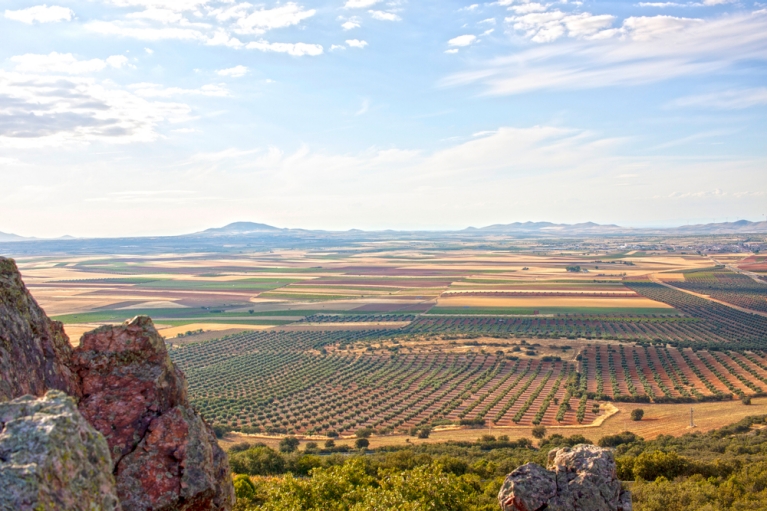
(244, 382)
(667, 374)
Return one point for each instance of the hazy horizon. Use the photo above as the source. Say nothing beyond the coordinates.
(163, 117)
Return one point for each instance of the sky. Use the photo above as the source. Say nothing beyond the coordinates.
(160, 117)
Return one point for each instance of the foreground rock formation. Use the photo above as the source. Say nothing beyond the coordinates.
(581, 478)
(160, 451)
(34, 351)
(51, 458)
(165, 456)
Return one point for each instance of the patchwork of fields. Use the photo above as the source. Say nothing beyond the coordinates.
(329, 342)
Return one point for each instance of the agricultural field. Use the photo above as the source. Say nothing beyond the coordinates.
(726, 286)
(445, 337)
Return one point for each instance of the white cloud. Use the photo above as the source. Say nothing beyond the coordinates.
(173, 5)
(384, 16)
(295, 49)
(543, 27)
(334, 47)
(260, 21)
(351, 23)
(154, 90)
(162, 15)
(462, 40)
(234, 72)
(453, 50)
(488, 31)
(661, 5)
(360, 4)
(527, 8)
(41, 14)
(718, 2)
(41, 111)
(489, 21)
(356, 43)
(64, 63)
(149, 51)
(726, 100)
(642, 50)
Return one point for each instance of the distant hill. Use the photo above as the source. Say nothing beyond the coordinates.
(11, 237)
(741, 226)
(238, 228)
(551, 228)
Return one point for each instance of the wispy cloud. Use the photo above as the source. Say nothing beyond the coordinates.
(642, 50)
(65, 63)
(727, 100)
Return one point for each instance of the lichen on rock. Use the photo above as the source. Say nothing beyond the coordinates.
(581, 478)
(51, 458)
(34, 351)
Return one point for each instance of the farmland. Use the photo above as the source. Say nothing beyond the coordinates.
(499, 335)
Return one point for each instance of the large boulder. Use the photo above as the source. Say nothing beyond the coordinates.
(581, 478)
(164, 455)
(34, 351)
(51, 458)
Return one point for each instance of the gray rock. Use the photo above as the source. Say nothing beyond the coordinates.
(51, 458)
(581, 478)
(34, 351)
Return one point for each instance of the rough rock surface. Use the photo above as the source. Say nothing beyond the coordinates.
(164, 455)
(34, 351)
(51, 458)
(581, 478)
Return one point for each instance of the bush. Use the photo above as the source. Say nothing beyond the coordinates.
(627, 437)
(364, 432)
(637, 414)
(424, 432)
(220, 430)
(361, 443)
(259, 460)
(539, 432)
(746, 400)
(244, 487)
(329, 444)
(289, 444)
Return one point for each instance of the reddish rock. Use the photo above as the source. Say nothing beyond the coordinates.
(128, 380)
(34, 351)
(164, 455)
(165, 473)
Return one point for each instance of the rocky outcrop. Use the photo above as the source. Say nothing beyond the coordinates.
(51, 458)
(161, 453)
(581, 478)
(34, 351)
(164, 455)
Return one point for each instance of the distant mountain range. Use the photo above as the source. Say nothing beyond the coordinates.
(521, 228)
(253, 230)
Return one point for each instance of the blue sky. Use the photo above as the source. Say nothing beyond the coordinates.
(129, 117)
